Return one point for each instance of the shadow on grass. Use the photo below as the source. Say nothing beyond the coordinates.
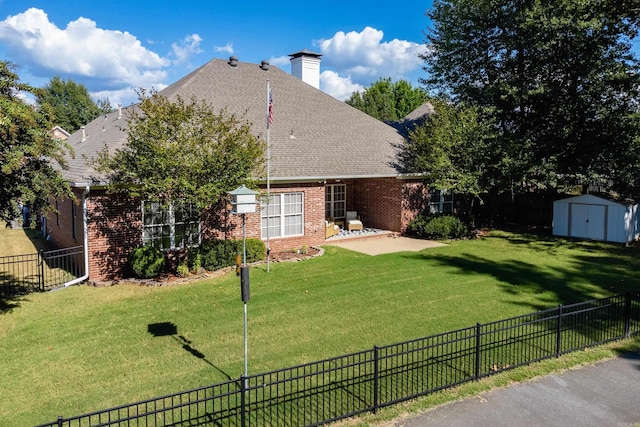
(168, 329)
(592, 271)
(11, 293)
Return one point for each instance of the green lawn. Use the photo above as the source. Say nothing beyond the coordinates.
(21, 241)
(81, 349)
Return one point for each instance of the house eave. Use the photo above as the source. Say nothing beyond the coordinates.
(324, 178)
(284, 180)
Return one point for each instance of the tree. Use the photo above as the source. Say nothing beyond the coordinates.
(388, 101)
(28, 153)
(182, 152)
(71, 103)
(104, 106)
(452, 149)
(559, 76)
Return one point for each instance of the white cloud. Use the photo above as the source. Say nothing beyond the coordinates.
(125, 96)
(228, 48)
(187, 47)
(100, 59)
(339, 87)
(365, 57)
(280, 61)
(26, 96)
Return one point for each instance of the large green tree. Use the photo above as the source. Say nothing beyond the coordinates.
(558, 74)
(71, 103)
(452, 149)
(182, 152)
(30, 159)
(388, 101)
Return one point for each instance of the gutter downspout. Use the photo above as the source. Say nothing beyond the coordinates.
(85, 228)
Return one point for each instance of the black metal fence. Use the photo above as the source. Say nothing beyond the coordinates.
(41, 271)
(328, 390)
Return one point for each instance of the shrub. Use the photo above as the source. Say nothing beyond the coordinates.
(194, 260)
(439, 227)
(217, 254)
(256, 250)
(183, 270)
(146, 262)
(417, 227)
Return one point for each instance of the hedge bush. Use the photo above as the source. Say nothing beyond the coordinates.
(194, 260)
(146, 262)
(437, 227)
(216, 254)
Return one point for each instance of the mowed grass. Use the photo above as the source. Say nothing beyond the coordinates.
(21, 241)
(82, 349)
(24, 241)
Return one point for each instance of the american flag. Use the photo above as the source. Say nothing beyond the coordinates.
(270, 109)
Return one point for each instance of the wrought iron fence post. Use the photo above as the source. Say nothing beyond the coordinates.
(478, 350)
(41, 270)
(376, 381)
(559, 332)
(243, 403)
(60, 419)
(627, 314)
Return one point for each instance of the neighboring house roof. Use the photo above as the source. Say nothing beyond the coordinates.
(414, 118)
(58, 133)
(313, 136)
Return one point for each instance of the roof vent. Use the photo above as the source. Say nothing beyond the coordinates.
(264, 65)
(119, 111)
(84, 133)
(233, 61)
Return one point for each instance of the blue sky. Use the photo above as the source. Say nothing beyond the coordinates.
(114, 46)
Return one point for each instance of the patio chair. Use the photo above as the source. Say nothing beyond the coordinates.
(330, 229)
(353, 221)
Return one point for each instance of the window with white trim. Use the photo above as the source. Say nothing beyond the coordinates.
(285, 216)
(335, 200)
(169, 226)
(441, 202)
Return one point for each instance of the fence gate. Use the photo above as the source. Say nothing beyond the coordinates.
(41, 271)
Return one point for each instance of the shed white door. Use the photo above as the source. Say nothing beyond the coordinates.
(587, 221)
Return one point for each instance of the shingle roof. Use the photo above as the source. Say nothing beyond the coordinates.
(414, 118)
(313, 135)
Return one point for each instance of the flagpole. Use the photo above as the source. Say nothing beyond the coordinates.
(268, 117)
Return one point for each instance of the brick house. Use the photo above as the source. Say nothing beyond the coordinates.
(326, 158)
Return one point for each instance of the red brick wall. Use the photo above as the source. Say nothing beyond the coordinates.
(60, 226)
(378, 202)
(386, 203)
(415, 200)
(115, 223)
(115, 227)
(313, 220)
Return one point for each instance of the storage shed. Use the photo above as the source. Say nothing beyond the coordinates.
(594, 218)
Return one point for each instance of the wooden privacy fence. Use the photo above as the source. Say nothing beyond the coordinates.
(328, 390)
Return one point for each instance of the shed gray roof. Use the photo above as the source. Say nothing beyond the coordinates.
(313, 135)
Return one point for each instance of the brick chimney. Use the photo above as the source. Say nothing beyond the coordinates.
(305, 65)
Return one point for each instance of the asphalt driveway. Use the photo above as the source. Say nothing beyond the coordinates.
(603, 394)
